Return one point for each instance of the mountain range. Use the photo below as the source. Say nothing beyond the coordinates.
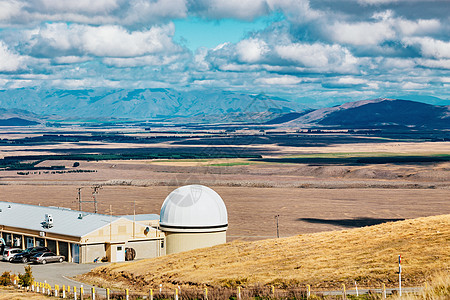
(206, 107)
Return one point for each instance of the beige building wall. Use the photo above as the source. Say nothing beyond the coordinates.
(179, 242)
(147, 249)
(88, 253)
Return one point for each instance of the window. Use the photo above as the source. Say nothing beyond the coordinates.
(119, 248)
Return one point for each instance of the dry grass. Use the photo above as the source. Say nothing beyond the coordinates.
(324, 260)
(10, 293)
(438, 289)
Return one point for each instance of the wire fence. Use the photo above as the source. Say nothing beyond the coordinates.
(209, 293)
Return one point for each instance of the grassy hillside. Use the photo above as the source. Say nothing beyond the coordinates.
(324, 260)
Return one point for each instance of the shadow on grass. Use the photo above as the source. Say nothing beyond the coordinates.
(356, 222)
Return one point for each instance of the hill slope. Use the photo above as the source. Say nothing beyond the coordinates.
(367, 255)
(379, 113)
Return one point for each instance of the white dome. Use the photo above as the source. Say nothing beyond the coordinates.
(193, 208)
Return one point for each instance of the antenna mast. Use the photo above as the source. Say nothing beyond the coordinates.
(94, 195)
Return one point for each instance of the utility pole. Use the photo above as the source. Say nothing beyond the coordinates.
(278, 231)
(79, 199)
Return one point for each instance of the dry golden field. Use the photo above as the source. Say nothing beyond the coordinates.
(324, 260)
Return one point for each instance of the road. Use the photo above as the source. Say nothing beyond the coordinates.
(55, 273)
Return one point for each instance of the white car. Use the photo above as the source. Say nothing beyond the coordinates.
(8, 254)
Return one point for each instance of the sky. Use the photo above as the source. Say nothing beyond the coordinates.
(310, 51)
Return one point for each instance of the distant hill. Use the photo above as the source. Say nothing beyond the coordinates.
(18, 117)
(378, 113)
(17, 122)
(145, 104)
(324, 260)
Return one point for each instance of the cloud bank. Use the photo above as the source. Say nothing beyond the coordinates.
(318, 50)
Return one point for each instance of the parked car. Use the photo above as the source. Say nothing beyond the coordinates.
(9, 253)
(26, 255)
(45, 257)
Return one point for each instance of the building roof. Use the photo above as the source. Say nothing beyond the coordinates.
(193, 207)
(65, 221)
(142, 217)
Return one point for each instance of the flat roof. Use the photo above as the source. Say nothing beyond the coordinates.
(65, 221)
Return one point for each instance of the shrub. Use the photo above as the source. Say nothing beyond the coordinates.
(5, 279)
(26, 279)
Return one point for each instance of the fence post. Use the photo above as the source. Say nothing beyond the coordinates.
(150, 295)
(239, 293)
(356, 287)
(68, 290)
(74, 292)
(64, 291)
(107, 294)
(127, 296)
(160, 288)
(32, 287)
(273, 290)
(384, 291)
(56, 290)
(308, 292)
(344, 295)
(93, 293)
(176, 294)
(206, 293)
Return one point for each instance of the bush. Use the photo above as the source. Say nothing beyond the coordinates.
(5, 279)
(26, 279)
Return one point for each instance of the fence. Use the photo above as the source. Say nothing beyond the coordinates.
(239, 293)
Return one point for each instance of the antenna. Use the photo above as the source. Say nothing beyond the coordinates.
(94, 196)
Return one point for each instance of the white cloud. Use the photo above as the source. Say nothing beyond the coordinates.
(71, 59)
(9, 61)
(414, 86)
(280, 80)
(362, 33)
(430, 47)
(251, 50)
(418, 27)
(78, 6)
(9, 9)
(106, 40)
(325, 57)
(434, 63)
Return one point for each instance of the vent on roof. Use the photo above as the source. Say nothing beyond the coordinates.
(48, 223)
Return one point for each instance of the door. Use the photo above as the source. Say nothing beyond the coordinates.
(120, 253)
(30, 242)
(75, 253)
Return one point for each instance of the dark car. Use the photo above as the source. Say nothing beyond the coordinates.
(45, 257)
(26, 255)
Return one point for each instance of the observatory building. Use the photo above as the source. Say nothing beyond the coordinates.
(193, 216)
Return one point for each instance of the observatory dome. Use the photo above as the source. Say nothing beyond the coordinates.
(193, 208)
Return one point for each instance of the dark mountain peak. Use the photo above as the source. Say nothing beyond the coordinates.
(378, 113)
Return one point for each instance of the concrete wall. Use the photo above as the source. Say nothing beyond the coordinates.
(88, 253)
(147, 249)
(179, 242)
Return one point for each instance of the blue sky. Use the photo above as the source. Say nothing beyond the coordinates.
(318, 52)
